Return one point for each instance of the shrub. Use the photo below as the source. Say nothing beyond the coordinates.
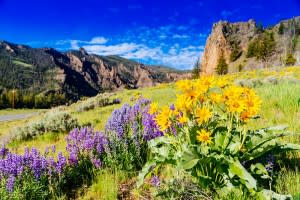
(240, 67)
(222, 67)
(235, 54)
(281, 29)
(100, 100)
(55, 121)
(206, 135)
(196, 69)
(290, 60)
(262, 46)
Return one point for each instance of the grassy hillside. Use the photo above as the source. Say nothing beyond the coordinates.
(279, 90)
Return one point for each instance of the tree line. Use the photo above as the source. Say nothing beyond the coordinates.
(21, 99)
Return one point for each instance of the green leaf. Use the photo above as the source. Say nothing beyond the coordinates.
(270, 195)
(188, 164)
(144, 172)
(234, 147)
(290, 147)
(278, 128)
(219, 140)
(258, 169)
(237, 169)
(188, 159)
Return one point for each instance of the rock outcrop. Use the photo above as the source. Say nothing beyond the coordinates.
(231, 41)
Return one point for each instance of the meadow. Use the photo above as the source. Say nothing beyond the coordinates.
(278, 89)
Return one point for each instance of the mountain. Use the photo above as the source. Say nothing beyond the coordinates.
(247, 45)
(74, 73)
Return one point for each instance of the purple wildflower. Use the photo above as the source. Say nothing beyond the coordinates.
(96, 162)
(270, 163)
(53, 148)
(61, 163)
(10, 184)
(46, 151)
(151, 129)
(3, 151)
(155, 181)
(172, 107)
(73, 160)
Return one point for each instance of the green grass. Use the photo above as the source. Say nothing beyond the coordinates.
(17, 62)
(105, 185)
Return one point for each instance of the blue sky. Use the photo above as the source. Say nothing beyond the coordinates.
(171, 33)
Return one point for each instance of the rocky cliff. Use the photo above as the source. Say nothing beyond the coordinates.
(74, 73)
(246, 45)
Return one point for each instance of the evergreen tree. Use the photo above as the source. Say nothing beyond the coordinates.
(290, 60)
(281, 28)
(196, 69)
(222, 67)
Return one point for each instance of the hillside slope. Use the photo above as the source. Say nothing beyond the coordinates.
(247, 45)
(73, 73)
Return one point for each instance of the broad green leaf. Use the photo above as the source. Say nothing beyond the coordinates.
(270, 195)
(258, 169)
(188, 164)
(144, 172)
(290, 147)
(278, 128)
(219, 140)
(236, 168)
(234, 147)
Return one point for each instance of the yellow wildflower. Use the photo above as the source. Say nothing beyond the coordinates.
(184, 85)
(153, 108)
(221, 82)
(204, 136)
(183, 103)
(232, 92)
(207, 81)
(200, 86)
(216, 98)
(182, 119)
(163, 119)
(235, 106)
(203, 115)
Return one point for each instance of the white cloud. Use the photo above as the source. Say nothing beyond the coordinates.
(118, 49)
(98, 40)
(181, 58)
(169, 45)
(74, 44)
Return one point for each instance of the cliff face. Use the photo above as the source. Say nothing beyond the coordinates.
(231, 40)
(74, 73)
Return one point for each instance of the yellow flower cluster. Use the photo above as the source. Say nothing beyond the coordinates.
(163, 118)
(200, 101)
(241, 101)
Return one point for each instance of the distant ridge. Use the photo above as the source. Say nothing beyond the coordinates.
(74, 73)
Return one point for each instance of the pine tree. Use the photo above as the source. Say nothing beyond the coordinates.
(222, 67)
(281, 28)
(290, 60)
(196, 69)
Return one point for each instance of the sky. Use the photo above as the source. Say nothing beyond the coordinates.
(159, 32)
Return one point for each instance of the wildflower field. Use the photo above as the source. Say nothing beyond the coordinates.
(235, 136)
